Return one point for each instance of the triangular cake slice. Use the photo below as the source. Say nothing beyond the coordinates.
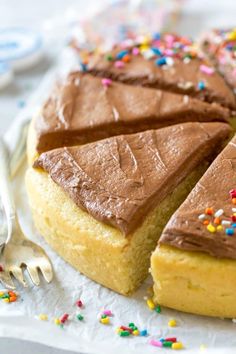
(220, 46)
(169, 63)
(85, 109)
(103, 205)
(199, 243)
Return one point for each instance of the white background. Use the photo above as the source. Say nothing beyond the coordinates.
(197, 15)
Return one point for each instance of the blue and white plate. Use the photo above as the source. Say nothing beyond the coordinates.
(19, 47)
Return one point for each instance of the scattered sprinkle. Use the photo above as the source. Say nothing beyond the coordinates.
(80, 317)
(171, 339)
(167, 343)
(8, 296)
(105, 320)
(119, 64)
(207, 69)
(177, 346)
(156, 343)
(43, 317)
(229, 231)
(83, 67)
(124, 331)
(211, 228)
(217, 221)
(172, 323)
(79, 303)
(218, 213)
(209, 211)
(161, 61)
(106, 82)
(201, 85)
(57, 321)
(148, 54)
(151, 304)
(143, 333)
(109, 57)
(225, 222)
(121, 54)
(158, 309)
(135, 51)
(107, 312)
(156, 51)
(64, 318)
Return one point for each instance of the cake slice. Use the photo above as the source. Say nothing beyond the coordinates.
(169, 63)
(102, 206)
(85, 109)
(194, 265)
(220, 47)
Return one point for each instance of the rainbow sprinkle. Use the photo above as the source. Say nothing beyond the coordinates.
(8, 296)
(172, 343)
(216, 221)
(124, 331)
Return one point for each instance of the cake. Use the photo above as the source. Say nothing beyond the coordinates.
(194, 265)
(103, 205)
(220, 46)
(169, 62)
(84, 108)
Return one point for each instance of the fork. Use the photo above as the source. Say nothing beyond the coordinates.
(18, 253)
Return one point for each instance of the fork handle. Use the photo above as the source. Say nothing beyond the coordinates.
(5, 189)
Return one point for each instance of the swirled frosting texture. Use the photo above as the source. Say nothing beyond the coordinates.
(119, 180)
(82, 109)
(186, 231)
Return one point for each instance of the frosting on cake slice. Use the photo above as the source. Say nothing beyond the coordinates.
(120, 179)
(197, 250)
(170, 63)
(206, 221)
(102, 206)
(86, 108)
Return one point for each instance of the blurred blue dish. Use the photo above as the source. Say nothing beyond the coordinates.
(21, 48)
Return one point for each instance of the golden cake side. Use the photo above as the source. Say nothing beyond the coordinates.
(95, 249)
(194, 282)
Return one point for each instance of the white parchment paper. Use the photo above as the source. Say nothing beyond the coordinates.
(18, 320)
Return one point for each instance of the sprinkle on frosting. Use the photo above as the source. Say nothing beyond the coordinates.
(106, 82)
(201, 85)
(119, 64)
(164, 48)
(207, 69)
(215, 221)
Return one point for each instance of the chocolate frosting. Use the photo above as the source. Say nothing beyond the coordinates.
(82, 110)
(119, 180)
(186, 231)
(181, 77)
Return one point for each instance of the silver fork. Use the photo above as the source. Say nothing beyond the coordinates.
(17, 251)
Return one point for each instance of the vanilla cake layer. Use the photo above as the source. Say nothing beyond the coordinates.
(194, 265)
(97, 250)
(194, 282)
